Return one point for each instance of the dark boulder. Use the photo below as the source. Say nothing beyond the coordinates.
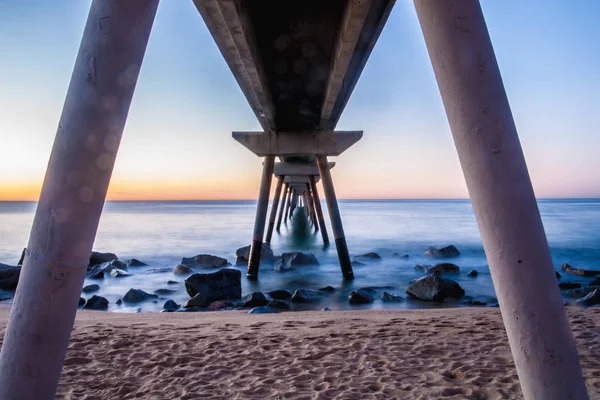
(368, 257)
(288, 261)
(581, 272)
(4, 295)
(172, 282)
(280, 294)
(435, 288)
(204, 261)
(182, 270)
(100, 258)
(9, 277)
(225, 284)
(327, 289)
(96, 303)
(199, 300)
(90, 288)
(591, 299)
(81, 302)
(135, 263)
(165, 291)
(391, 298)
(119, 273)
(97, 275)
(443, 268)
(307, 296)
(443, 252)
(579, 293)
(474, 303)
(256, 299)
(171, 306)
(263, 310)
(119, 302)
(473, 273)
(224, 305)
(325, 309)
(404, 256)
(158, 270)
(361, 296)
(595, 282)
(279, 304)
(107, 267)
(569, 285)
(266, 255)
(137, 295)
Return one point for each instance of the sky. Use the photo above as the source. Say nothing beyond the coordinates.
(177, 141)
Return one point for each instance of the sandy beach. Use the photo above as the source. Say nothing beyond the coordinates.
(400, 354)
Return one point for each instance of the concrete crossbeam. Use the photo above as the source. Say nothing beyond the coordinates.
(290, 144)
(292, 168)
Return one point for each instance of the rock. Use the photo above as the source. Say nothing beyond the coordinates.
(119, 302)
(256, 299)
(221, 305)
(368, 257)
(266, 255)
(569, 285)
(158, 270)
(100, 258)
(595, 282)
(199, 300)
(591, 299)
(423, 268)
(280, 294)
(474, 303)
(445, 268)
(81, 301)
(165, 291)
(96, 303)
(358, 264)
(443, 252)
(4, 295)
(225, 284)
(182, 270)
(135, 263)
(391, 298)
(288, 261)
(107, 267)
(137, 295)
(307, 296)
(579, 293)
(171, 306)
(263, 310)
(119, 273)
(434, 288)
(279, 304)
(558, 276)
(97, 275)
(172, 282)
(325, 309)
(90, 288)
(9, 277)
(581, 272)
(204, 261)
(472, 273)
(397, 255)
(22, 258)
(360, 296)
(327, 289)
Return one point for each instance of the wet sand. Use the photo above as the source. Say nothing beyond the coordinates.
(401, 354)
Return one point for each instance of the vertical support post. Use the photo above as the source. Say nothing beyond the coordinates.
(274, 209)
(319, 210)
(503, 199)
(288, 204)
(311, 207)
(65, 224)
(261, 217)
(282, 206)
(294, 203)
(336, 219)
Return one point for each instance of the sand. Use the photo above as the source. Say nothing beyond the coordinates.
(419, 354)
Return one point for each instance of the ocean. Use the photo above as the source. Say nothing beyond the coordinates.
(160, 233)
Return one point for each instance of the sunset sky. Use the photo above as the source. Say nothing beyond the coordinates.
(177, 142)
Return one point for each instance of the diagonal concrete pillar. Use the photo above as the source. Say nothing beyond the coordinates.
(89, 132)
(319, 210)
(261, 217)
(503, 199)
(311, 207)
(282, 206)
(274, 209)
(336, 219)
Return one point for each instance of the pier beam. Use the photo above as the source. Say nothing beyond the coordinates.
(64, 227)
(503, 199)
(274, 209)
(282, 206)
(336, 219)
(319, 210)
(261, 217)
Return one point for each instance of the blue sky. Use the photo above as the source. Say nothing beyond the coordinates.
(177, 142)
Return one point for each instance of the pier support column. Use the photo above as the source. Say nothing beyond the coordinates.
(261, 217)
(294, 203)
(64, 228)
(288, 206)
(274, 209)
(282, 206)
(503, 199)
(319, 210)
(311, 207)
(336, 219)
